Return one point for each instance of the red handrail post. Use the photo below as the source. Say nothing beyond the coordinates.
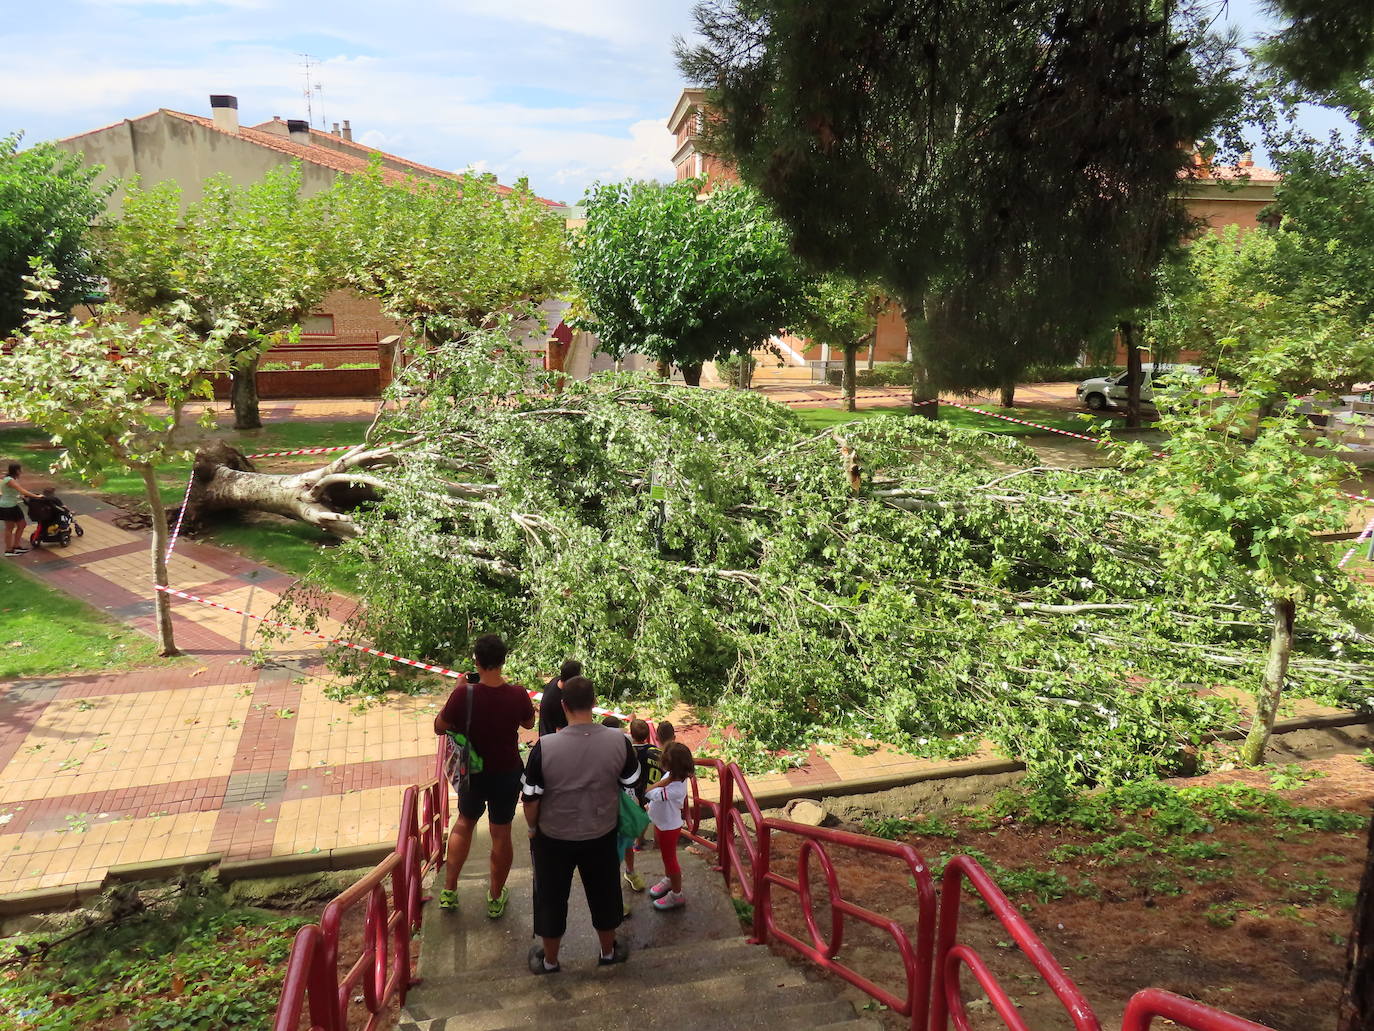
(726, 780)
(763, 888)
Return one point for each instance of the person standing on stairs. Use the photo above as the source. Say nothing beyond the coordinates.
(490, 713)
(666, 799)
(572, 786)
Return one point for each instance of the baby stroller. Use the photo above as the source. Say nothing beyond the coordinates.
(53, 521)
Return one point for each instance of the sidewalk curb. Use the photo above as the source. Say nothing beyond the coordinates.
(775, 798)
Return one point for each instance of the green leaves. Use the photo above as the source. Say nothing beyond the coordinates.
(93, 385)
(662, 273)
(48, 201)
(441, 255)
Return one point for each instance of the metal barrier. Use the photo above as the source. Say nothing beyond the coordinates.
(1155, 1002)
(947, 1005)
(382, 970)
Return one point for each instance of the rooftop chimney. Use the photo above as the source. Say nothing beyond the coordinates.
(347, 130)
(335, 130)
(299, 131)
(1247, 160)
(226, 112)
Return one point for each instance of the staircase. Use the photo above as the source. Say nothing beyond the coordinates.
(688, 969)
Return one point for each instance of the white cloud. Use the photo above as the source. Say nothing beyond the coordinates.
(565, 93)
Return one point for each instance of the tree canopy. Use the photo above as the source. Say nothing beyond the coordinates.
(684, 280)
(251, 260)
(111, 394)
(1011, 173)
(48, 201)
(444, 256)
(948, 591)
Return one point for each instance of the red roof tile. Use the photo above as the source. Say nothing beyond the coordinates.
(326, 157)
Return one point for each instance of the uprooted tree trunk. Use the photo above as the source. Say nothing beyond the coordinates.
(324, 497)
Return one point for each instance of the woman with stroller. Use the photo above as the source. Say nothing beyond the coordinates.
(11, 490)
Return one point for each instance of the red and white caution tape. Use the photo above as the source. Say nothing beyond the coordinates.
(428, 667)
(1364, 536)
(1022, 422)
(302, 451)
(181, 516)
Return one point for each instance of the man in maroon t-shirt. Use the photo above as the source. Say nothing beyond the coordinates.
(499, 710)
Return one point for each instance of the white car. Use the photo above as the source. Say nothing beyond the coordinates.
(1110, 391)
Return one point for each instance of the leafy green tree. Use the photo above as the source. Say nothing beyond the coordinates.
(1326, 48)
(681, 279)
(111, 395)
(251, 260)
(1011, 173)
(950, 591)
(842, 313)
(444, 256)
(1264, 306)
(48, 201)
(1254, 504)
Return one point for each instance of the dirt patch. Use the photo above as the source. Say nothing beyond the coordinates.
(1241, 903)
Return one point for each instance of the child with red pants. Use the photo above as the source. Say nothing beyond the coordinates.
(666, 799)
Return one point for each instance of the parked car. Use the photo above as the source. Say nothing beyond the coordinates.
(1110, 391)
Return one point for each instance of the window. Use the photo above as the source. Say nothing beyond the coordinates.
(317, 326)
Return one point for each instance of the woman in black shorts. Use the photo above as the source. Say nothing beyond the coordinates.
(11, 515)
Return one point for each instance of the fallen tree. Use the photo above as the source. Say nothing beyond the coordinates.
(899, 579)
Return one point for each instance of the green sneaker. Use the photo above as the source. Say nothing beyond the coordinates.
(634, 880)
(448, 901)
(496, 908)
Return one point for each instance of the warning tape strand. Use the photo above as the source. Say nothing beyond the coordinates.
(1364, 536)
(341, 642)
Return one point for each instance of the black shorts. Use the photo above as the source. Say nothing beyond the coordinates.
(598, 864)
(11, 514)
(492, 793)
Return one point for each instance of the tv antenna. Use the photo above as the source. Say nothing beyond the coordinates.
(312, 89)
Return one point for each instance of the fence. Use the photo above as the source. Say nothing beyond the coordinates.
(744, 847)
(313, 986)
(932, 956)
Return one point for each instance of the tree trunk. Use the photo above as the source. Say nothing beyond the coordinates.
(1357, 1001)
(662, 369)
(162, 601)
(851, 374)
(322, 497)
(1008, 391)
(691, 374)
(1133, 375)
(1271, 687)
(924, 397)
(243, 392)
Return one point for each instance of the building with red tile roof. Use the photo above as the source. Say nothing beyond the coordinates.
(188, 148)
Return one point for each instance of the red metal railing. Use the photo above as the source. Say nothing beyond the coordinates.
(382, 969)
(947, 1005)
(1154, 1002)
(932, 960)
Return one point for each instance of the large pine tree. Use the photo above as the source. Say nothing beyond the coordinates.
(1012, 172)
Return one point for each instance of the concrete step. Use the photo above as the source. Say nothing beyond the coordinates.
(522, 1000)
(805, 1007)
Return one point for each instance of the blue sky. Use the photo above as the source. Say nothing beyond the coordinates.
(563, 91)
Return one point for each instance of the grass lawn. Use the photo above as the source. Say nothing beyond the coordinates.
(823, 418)
(291, 547)
(45, 632)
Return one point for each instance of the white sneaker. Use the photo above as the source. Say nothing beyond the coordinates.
(670, 900)
(661, 888)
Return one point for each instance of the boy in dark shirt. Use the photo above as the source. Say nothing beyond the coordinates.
(650, 766)
(551, 717)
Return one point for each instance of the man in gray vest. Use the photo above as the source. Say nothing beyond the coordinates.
(571, 790)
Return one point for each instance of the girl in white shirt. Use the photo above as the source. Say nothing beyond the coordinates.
(666, 799)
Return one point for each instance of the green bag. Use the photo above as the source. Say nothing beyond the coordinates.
(633, 819)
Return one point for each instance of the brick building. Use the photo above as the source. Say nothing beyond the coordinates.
(1216, 196)
(186, 148)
